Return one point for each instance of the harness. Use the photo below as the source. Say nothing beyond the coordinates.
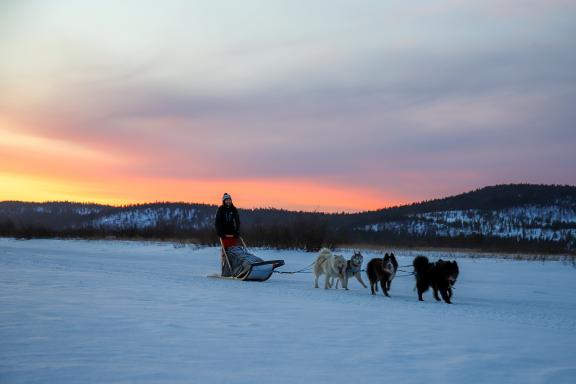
(351, 269)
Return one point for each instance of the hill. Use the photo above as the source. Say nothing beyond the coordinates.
(512, 217)
(515, 216)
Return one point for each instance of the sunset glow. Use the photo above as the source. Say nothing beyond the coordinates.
(330, 106)
(247, 193)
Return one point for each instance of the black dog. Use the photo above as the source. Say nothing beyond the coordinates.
(441, 276)
(383, 271)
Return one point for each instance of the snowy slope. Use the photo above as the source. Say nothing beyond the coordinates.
(152, 216)
(541, 216)
(125, 312)
(530, 222)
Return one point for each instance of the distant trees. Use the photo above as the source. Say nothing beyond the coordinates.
(7, 227)
(306, 231)
(493, 218)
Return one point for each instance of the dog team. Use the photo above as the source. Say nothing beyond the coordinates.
(440, 276)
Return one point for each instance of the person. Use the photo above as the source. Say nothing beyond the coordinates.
(228, 222)
(237, 261)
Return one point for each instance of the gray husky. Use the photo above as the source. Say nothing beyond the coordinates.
(353, 268)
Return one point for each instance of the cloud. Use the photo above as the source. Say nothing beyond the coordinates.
(381, 96)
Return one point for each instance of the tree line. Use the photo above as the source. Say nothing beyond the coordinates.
(309, 233)
(277, 228)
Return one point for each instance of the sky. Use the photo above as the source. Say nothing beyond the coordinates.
(325, 105)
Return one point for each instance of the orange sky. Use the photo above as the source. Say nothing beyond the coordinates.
(34, 168)
(287, 194)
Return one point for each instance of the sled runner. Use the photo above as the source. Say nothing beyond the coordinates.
(239, 264)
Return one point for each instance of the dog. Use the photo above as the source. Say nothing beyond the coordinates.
(353, 268)
(383, 271)
(441, 276)
(333, 266)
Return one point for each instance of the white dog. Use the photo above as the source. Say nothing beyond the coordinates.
(333, 266)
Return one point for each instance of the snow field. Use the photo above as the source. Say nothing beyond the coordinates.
(125, 312)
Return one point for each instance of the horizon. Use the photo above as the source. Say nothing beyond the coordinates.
(335, 106)
(191, 202)
(281, 208)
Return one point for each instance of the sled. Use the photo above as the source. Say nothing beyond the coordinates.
(257, 272)
(254, 269)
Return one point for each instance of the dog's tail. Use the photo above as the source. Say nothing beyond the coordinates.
(420, 264)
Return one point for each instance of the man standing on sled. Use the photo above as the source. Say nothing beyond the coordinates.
(237, 261)
(228, 227)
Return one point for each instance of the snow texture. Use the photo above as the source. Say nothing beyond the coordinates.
(547, 223)
(134, 312)
(145, 217)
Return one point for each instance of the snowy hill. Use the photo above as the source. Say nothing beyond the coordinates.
(147, 216)
(508, 214)
(547, 223)
(512, 217)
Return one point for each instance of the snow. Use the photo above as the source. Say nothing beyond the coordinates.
(530, 222)
(124, 312)
(152, 216)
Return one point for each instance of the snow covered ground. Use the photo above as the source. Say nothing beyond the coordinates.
(134, 312)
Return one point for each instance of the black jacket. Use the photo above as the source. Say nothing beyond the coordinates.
(227, 221)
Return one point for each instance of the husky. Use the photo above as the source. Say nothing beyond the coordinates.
(383, 271)
(441, 276)
(353, 268)
(333, 266)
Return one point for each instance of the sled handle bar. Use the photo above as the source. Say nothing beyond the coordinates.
(225, 253)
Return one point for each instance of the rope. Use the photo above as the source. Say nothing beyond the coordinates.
(408, 273)
(303, 270)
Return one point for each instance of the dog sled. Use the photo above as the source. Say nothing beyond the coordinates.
(239, 264)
